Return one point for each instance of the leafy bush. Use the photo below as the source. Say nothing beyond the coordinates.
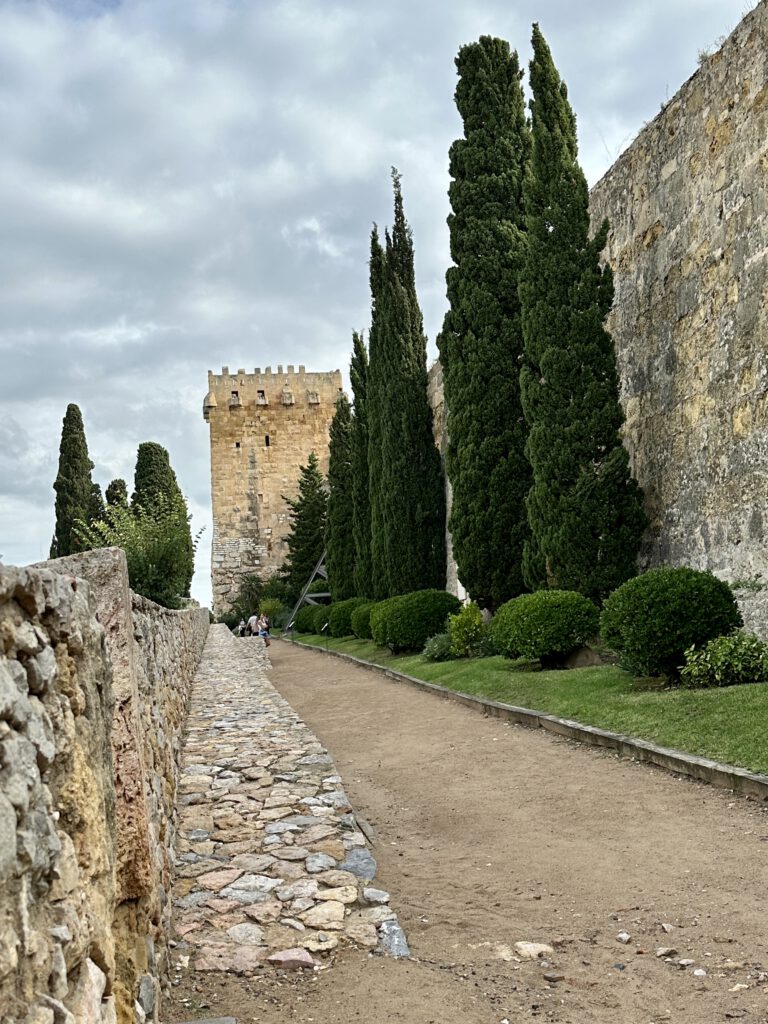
(406, 623)
(378, 621)
(305, 619)
(651, 620)
(318, 586)
(438, 648)
(271, 607)
(547, 625)
(278, 588)
(730, 660)
(361, 620)
(156, 544)
(320, 618)
(340, 617)
(466, 631)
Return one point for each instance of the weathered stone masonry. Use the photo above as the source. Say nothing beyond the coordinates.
(94, 685)
(263, 427)
(687, 205)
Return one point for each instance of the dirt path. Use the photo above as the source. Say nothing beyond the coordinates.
(488, 834)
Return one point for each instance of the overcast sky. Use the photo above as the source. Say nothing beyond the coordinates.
(191, 183)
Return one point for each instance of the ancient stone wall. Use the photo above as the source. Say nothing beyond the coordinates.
(94, 683)
(688, 212)
(263, 427)
(687, 205)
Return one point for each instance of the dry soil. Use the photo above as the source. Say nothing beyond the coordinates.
(488, 834)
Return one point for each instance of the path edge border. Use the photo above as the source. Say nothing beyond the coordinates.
(703, 769)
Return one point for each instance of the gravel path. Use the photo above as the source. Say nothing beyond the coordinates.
(489, 835)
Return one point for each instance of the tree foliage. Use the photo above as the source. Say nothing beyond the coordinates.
(339, 537)
(584, 507)
(78, 499)
(154, 541)
(406, 483)
(306, 538)
(481, 341)
(361, 500)
(155, 479)
(117, 492)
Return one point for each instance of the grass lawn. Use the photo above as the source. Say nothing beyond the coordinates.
(729, 724)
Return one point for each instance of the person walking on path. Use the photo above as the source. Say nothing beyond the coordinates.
(252, 628)
(263, 629)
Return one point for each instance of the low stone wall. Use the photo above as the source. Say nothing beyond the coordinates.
(94, 684)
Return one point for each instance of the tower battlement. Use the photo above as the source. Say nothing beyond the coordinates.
(263, 425)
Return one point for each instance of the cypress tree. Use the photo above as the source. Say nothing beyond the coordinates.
(117, 492)
(361, 501)
(376, 393)
(481, 342)
(154, 477)
(406, 482)
(307, 512)
(339, 537)
(584, 506)
(75, 497)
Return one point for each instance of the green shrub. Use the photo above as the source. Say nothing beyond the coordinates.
(730, 660)
(271, 607)
(318, 586)
(378, 618)
(277, 587)
(361, 620)
(651, 620)
(466, 630)
(320, 618)
(547, 625)
(304, 621)
(406, 623)
(438, 648)
(156, 544)
(340, 617)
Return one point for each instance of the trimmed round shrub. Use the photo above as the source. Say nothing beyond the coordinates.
(305, 619)
(340, 616)
(466, 630)
(320, 616)
(438, 648)
(548, 625)
(652, 620)
(406, 623)
(361, 620)
(731, 660)
(378, 619)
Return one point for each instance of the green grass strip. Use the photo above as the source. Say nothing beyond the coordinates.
(729, 724)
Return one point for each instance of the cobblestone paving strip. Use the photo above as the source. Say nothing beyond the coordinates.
(270, 862)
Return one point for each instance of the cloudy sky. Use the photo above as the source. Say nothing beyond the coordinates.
(191, 183)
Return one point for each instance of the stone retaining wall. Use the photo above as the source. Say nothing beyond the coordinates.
(94, 684)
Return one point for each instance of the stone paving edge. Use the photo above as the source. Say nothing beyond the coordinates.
(715, 773)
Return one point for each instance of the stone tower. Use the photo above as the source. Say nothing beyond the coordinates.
(263, 427)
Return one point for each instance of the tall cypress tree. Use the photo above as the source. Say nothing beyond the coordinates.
(481, 342)
(306, 539)
(154, 477)
(361, 501)
(584, 507)
(339, 537)
(406, 482)
(75, 496)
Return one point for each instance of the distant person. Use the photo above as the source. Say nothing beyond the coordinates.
(241, 627)
(263, 629)
(253, 626)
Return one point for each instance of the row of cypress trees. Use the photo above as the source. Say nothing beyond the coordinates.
(543, 495)
(79, 502)
(542, 491)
